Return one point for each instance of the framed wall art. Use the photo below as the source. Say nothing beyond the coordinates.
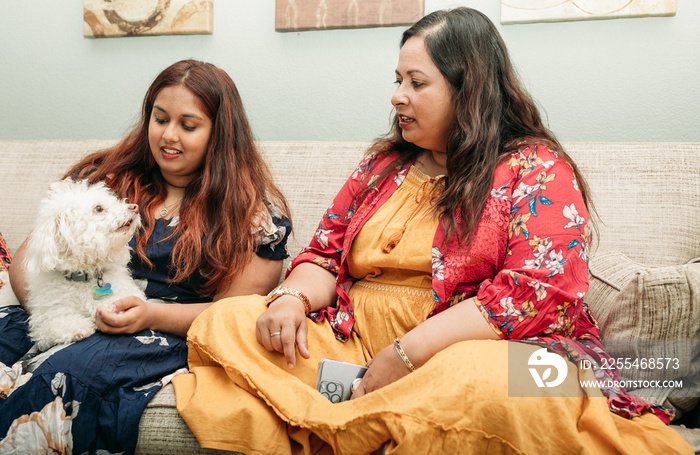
(109, 18)
(295, 15)
(519, 11)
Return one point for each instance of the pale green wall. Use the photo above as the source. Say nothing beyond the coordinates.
(612, 80)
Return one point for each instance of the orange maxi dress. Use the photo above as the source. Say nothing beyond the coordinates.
(240, 397)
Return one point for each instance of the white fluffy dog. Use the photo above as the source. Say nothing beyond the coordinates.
(76, 261)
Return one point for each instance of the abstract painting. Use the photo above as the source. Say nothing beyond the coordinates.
(106, 18)
(517, 11)
(295, 15)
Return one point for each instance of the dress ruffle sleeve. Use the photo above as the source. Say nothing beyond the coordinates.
(544, 276)
(273, 230)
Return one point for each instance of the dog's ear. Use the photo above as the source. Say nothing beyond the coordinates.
(42, 248)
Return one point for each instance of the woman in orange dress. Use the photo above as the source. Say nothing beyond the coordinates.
(461, 233)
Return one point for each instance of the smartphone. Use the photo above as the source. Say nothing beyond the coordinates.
(335, 379)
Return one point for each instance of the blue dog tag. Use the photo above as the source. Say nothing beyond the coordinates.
(103, 291)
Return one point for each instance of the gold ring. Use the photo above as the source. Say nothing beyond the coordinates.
(274, 334)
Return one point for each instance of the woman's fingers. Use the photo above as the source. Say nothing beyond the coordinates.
(358, 390)
(275, 336)
(383, 369)
(282, 339)
(282, 328)
(288, 340)
(262, 333)
(302, 340)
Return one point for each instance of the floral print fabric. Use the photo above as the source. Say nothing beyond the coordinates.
(5, 257)
(544, 272)
(86, 397)
(527, 268)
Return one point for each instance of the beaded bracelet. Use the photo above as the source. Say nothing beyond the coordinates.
(403, 356)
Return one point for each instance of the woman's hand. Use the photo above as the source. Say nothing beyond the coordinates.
(458, 323)
(385, 368)
(282, 328)
(127, 315)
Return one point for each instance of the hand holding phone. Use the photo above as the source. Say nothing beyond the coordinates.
(335, 379)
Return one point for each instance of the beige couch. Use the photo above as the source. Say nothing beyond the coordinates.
(643, 281)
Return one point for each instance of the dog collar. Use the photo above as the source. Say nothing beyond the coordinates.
(80, 275)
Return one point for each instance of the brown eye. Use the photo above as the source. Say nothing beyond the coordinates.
(98, 209)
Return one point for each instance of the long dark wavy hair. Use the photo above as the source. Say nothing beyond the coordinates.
(214, 236)
(494, 114)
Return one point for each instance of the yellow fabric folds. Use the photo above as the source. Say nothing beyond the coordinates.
(243, 398)
(240, 397)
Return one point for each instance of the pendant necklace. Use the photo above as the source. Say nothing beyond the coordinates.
(164, 210)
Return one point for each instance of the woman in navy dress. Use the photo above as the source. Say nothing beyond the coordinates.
(214, 225)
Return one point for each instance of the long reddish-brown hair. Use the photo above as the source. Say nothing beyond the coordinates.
(214, 236)
(495, 115)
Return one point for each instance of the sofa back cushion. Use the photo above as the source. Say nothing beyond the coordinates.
(647, 196)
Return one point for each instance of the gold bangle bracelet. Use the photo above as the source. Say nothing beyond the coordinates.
(403, 356)
(281, 290)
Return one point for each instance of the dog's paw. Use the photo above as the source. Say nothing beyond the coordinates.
(79, 335)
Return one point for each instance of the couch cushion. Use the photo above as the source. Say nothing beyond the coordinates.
(162, 430)
(650, 312)
(26, 174)
(647, 197)
(691, 436)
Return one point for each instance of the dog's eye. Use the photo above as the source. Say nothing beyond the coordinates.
(98, 209)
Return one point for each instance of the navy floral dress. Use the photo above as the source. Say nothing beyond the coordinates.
(88, 396)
